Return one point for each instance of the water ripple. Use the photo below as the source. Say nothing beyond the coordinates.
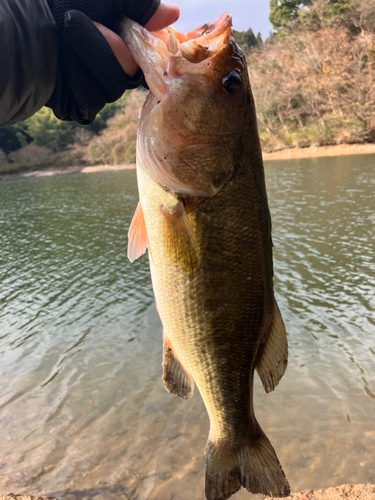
(83, 411)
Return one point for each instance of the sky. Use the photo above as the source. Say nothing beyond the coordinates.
(246, 14)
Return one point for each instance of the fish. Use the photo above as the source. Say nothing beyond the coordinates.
(203, 216)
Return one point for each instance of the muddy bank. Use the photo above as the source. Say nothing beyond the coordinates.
(319, 152)
(345, 492)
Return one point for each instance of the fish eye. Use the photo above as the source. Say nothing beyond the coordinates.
(232, 82)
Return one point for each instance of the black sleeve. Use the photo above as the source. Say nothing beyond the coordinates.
(40, 63)
(28, 58)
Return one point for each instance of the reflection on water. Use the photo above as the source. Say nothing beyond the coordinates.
(83, 412)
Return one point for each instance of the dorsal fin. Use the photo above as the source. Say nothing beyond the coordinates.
(137, 235)
(274, 360)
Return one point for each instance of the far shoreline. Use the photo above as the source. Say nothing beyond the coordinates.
(320, 152)
(82, 169)
(284, 154)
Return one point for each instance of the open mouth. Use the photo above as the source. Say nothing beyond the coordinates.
(199, 44)
(168, 54)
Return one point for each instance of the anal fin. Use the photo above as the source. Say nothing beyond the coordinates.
(175, 378)
(274, 360)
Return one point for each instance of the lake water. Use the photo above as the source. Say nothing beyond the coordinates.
(83, 411)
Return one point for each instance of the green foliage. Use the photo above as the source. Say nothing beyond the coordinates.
(340, 7)
(42, 141)
(14, 137)
(47, 131)
(246, 39)
(44, 130)
(284, 11)
(355, 15)
(105, 114)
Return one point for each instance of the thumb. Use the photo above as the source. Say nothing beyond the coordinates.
(163, 17)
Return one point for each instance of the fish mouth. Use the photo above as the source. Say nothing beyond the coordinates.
(166, 55)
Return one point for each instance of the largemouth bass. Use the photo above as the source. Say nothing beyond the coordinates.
(204, 217)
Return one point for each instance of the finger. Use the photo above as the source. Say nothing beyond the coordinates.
(163, 17)
(119, 49)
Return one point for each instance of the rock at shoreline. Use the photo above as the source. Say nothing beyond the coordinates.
(345, 492)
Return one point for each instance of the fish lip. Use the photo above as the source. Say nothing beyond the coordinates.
(149, 52)
(160, 66)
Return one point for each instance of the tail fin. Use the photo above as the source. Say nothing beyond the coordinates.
(254, 466)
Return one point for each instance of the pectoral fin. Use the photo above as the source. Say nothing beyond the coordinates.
(137, 235)
(175, 378)
(274, 358)
(178, 238)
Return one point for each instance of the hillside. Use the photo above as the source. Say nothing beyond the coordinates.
(313, 82)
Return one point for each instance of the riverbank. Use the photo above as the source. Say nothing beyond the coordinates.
(68, 170)
(320, 152)
(345, 492)
(284, 154)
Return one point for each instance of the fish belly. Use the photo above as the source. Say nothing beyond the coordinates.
(215, 323)
(215, 319)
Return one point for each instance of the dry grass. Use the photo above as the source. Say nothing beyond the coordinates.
(315, 88)
(116, 144)
(30, 157)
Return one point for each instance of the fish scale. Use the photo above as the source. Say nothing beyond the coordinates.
(203, 215)
(218, 330)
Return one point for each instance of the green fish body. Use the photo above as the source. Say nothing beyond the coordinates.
(204, 217)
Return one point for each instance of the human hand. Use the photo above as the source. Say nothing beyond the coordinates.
(95, 66)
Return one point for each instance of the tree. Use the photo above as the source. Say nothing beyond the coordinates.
(284, 11)
(14, 137)
(44, 130)
(356, 15)
(47, 131)
(315, 86)
(245, 39)
(116, 144)
(363, 15)
(341, 7)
